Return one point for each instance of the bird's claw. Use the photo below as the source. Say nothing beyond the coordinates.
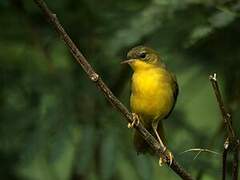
(163, 160)
(135, 121)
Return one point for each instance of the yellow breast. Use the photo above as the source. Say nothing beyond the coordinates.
(152, 95)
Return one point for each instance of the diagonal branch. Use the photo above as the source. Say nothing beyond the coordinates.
(106, 91)
(231, 140)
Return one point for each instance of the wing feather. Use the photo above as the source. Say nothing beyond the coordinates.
(175, 89)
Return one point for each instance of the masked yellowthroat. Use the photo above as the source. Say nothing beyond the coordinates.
(153, 97)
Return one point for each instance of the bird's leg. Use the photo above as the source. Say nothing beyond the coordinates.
(135, 120)
(169, 154)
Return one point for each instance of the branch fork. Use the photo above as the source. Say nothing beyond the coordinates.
(231, 140)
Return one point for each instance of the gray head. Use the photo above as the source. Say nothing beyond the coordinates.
(145, 54)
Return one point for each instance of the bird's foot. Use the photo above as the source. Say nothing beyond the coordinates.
(169, 158)
(135, 121)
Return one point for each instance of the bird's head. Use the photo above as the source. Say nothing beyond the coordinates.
(142, 58)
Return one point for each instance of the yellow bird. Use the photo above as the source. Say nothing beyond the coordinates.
(153, 97)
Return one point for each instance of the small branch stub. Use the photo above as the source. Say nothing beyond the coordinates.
(94, 77)
(213, 77)
(226, 143)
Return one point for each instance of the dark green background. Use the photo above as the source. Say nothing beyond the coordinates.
(56, 125)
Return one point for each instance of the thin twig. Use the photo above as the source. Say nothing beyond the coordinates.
(199, 150)
(106, 91)
(224, 163)
(231, 139)
(197, 155)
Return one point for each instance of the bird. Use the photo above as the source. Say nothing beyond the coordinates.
(154, 92)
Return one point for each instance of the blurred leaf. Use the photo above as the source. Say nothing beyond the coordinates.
(199, 33)
(222, 19)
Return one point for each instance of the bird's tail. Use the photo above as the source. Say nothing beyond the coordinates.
(141, 145)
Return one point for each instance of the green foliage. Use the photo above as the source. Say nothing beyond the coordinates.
(55, 124)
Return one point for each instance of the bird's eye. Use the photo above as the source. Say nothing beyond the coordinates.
(142, 55)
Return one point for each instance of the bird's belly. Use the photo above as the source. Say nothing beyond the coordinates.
(152, 96)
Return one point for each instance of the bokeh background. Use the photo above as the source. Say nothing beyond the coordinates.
(56, 125)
